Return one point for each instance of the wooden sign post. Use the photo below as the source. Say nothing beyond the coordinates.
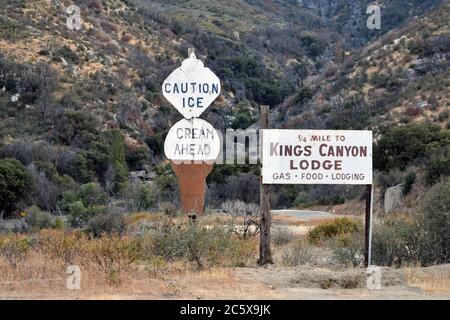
(368, 226)
(265, 254)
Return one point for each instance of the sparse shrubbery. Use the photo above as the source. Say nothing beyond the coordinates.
(69, 247)
(37, 219)
(107, 223)
(422, 238)
(206, 246)
(114, 255)
(282, 235)
(15, 248)
(300, 253)
(349, 250)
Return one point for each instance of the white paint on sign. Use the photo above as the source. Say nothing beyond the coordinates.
(317, 157)
(192, 88)
(192, 140)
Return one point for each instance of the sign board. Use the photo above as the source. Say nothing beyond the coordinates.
(191, 88)
(317, 157)
(192, 140)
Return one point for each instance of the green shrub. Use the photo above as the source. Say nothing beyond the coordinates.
(83, 204)
(140, 196)
(409, 181)
(400, 146)
(339, 227)
(58, 224)
(349, 250)
(436, 169)
(106, 224)
(137, 158)
(15, 184)
(304, 94)
(394, 242)
(243, 116)
(79, 215)
(156, 144)
(433, 220)
(38, 219)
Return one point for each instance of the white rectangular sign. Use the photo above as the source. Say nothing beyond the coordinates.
(317, 157)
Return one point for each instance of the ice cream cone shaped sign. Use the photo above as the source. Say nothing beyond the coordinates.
(192, 144)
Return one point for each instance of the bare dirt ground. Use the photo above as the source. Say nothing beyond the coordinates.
(272, 282)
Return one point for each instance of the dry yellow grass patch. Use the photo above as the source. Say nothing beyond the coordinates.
(432, 281)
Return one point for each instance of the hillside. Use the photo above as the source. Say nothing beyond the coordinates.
(399, 78)
(82, 109)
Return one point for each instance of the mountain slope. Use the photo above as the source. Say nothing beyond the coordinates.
(400, 77)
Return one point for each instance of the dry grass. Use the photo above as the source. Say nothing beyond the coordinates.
(436, 280)
(35, 265)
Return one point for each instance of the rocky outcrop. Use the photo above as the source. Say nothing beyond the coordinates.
(393, 199)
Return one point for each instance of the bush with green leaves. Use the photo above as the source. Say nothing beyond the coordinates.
(15, 184)
(106, 224)
(436, 169)
(136, 158)
(402, 146)
(156, 144)
(433, 221)
(38, 219)
(83, 204)
(243, 116)
(422, 238)
(338, 227)
(140, 196)
(409, 181)
(395, 242)
(348, 250)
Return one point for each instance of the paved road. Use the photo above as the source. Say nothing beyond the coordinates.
(304, 214)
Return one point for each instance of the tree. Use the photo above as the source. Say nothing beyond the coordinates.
(401, 146)
(434, 225)
(15, 184)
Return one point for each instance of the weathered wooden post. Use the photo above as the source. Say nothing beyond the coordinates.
(265, 254)
(368, 227)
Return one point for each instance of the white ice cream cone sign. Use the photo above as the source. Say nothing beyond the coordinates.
(192, 144)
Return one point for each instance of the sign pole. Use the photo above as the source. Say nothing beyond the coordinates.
(265, 255)
(368, 227)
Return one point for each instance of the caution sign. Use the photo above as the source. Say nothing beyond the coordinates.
(317, 157)
(191, 88)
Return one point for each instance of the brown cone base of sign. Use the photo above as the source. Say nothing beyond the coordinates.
(192, 183)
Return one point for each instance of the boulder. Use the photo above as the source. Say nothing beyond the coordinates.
(393, 199)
